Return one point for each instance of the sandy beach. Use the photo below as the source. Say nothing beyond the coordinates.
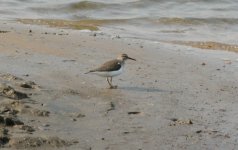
(174, 97)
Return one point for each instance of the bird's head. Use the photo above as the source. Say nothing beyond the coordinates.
(124, 57)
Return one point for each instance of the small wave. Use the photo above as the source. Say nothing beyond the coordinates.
(69, 10)
(83, 5)
(86, 5)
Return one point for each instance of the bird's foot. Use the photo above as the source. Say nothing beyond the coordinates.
(113, 87)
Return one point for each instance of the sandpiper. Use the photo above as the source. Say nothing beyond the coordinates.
(111, 68)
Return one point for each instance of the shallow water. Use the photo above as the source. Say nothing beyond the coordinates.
(187, 20)
(119, 9)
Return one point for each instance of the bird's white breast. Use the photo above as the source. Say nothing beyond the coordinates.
(110, 74)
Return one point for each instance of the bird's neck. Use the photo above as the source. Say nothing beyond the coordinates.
(122, 62)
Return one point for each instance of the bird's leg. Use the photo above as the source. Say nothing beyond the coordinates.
(115, 86)
(111, 86)
(109, 80)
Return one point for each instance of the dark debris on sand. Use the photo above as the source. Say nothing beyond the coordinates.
(10, 92)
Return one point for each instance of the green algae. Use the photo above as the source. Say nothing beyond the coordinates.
(207, 45)
(92, 25)
(78, 25)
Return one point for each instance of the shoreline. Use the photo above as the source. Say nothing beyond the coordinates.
(170, 97)
(95, 25)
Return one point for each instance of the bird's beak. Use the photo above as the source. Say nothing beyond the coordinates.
(131, 58)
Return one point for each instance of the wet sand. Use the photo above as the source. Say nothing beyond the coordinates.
(172, 97)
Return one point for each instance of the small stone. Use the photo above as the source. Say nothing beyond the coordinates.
(24, 85)
(190, 122)
(80, 115)
(126, 132)
(1, 119)
(174, 119)
(203, 63)
(27, 128)
(27, 75)
(181, 122)
(28, 85)
(45, 125)
(12, 121)
(198, 131)
(133, 113)
(9, 122)
(74, 119)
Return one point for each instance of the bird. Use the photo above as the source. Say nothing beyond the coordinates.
(111, 69)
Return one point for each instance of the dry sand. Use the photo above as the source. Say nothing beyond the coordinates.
(172, 97)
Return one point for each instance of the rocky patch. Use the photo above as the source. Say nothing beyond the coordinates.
(10, 92)
(31, 142)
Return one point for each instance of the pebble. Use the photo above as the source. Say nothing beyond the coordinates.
(133, 113)
(73, 119)
(198, 131)
(45, 125)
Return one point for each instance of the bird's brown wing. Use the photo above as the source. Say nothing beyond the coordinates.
(112, 65)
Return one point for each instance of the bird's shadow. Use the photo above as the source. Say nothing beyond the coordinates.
(143, 89)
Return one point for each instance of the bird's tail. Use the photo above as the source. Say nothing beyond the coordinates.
(88, 72)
